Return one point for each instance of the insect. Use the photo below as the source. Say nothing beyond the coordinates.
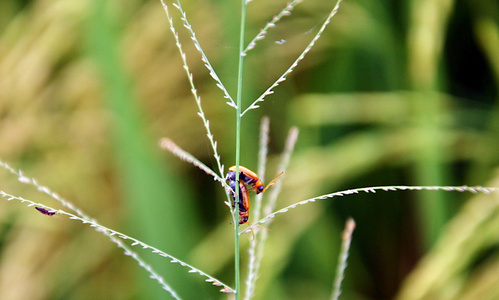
(45, 211)
(249, 178)
(246, 178)
(243, 204)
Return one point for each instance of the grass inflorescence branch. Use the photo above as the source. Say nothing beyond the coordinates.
(194, 92)
(374, 189)
(346, 240)
(283, 77)
(263, 32)
(84, 217)
(134, 242)
(204, 58)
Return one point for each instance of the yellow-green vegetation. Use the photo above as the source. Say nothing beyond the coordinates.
(394, 93)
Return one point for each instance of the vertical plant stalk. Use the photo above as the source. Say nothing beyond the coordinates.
(237, 271)
(342, 258)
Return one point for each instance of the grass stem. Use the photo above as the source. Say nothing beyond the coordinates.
(237, 274)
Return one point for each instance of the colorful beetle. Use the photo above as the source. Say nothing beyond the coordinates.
(249, 178)
(244, 203)
(246, 178)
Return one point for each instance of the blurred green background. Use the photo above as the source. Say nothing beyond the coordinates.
(395, 93)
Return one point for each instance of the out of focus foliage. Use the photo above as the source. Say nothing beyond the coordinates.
(395, 93)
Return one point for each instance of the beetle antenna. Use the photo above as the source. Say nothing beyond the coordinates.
(272, 182)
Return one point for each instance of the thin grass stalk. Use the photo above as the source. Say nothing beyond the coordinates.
(346, 240)
(237, 271)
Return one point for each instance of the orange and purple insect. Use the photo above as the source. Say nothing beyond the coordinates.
(249, 177)
(244, 203)
(246, 178)
(45, 211)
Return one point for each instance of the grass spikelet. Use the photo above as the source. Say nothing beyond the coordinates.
(167, 144)
(262, 161)
(346, 240)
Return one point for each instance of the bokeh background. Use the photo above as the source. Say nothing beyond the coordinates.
(394, 93)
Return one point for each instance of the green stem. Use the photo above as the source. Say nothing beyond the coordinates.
(238, 146)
